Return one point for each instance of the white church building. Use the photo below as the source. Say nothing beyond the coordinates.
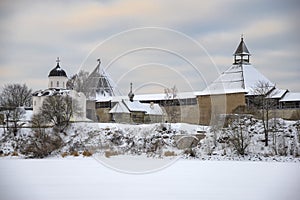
(57, 81)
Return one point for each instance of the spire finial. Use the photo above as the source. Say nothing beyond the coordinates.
(242, 36)
(130, 94)
(57, 60)
(98, 66)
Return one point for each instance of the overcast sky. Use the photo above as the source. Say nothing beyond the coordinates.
(153, 44)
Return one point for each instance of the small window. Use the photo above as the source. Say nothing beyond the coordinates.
(57, 83)
(51, 84)
(34, 103)
(63, 84)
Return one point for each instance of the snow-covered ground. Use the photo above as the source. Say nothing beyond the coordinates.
(85, 178)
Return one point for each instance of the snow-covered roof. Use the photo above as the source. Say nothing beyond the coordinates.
(103, 96)
(126, 106)
(252, 77)
(149, 97)
(51, 92)
(101, 84)
(119, 108)
(277, 93)
(162, 96)
(153, 109)
(134, 106)
(291, 96)
(238, 78)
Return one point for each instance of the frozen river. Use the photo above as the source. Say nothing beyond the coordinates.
(86, 178)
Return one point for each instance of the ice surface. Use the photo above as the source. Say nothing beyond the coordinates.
(85, 178)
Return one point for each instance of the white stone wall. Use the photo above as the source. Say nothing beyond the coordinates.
(37, 103)
(79, 103)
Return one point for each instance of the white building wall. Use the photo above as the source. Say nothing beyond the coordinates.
(58, 82)
(37, 102)
(79, 105)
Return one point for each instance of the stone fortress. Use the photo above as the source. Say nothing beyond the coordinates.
(232, 92)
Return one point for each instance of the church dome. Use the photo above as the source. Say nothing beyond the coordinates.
(57, 71)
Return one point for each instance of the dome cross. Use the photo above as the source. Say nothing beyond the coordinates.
(57, 60)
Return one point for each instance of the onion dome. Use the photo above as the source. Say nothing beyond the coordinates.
(57, 71)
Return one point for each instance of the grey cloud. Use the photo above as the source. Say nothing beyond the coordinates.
(35, 33)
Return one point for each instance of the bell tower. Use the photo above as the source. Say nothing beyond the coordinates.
(241, 55)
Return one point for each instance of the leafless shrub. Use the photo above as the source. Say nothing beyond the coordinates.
(87, 153)
(74, 153)
(169, 153)
(41, 144)
(64, 154)
(110, 153)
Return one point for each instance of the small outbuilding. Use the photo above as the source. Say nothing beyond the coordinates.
(126, 111)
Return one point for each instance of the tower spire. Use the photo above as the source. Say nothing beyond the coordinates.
(130, 94)
(242, 54)
(98, 66)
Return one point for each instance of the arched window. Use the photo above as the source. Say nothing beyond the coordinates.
(57, 83)
(63, 84)
(34, 103)
(51, 84)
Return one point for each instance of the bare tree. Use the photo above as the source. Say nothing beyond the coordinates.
(38, 122)
(12, 97)
(171, 103)
(80, 83)
(15, 95)
(16, 115)
(7, 112)
(238, 133)
(58, 110)
(264, 103)
(276, 128)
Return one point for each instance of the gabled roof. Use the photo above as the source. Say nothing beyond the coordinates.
(134, 106)
(119, 108)
(126, 106)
